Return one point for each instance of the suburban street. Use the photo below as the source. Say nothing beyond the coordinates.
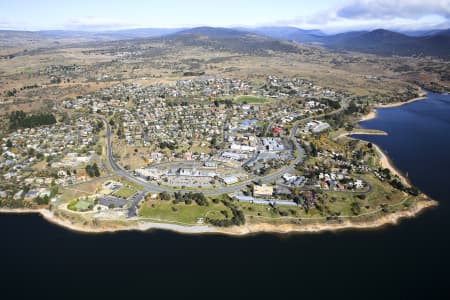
(300, 154)
(149, 187)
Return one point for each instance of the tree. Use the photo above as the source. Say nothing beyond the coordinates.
(42, 200)
(99, 125)
(54, 191)
(314, 151)
(18, 119)
(356, 208)
(165, 196)
(96, 170)
(93, 170)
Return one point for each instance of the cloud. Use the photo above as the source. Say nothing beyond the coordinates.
(401, 15)
(97, 24)
(7, 25)
(388, 9)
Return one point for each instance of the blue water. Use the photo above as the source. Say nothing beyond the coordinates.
(418, 142)
(407, 261)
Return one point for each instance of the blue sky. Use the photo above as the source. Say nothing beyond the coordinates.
(328, 15)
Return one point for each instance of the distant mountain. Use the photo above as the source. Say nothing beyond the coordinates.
(80, 36)
(110, 35)
(385, 42)
(258, 40)
(443, 32)
(288, 33)
(226, 39)
(18, 34)
(426, 32)
(215, 32)
(142, 32)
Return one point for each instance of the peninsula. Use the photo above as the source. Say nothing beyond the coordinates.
(201, 138)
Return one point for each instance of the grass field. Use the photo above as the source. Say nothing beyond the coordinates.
(187, 214)
(125, 192)
(251, 99)
(83, 205)
(80, 205)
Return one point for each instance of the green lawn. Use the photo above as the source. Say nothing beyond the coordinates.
(251, 99)
(80, 205)
(125, 192)
(187, 214)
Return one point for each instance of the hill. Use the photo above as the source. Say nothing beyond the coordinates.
(288, 33)
(225, 39)
(385, 42)
(426, 32)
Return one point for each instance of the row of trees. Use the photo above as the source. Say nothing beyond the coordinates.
(394, 182)
(19, 119)
(92, 170)
(199, 198)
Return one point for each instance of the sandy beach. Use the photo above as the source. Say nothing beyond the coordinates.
(390, 219)
(369, 116)
(396, 104)
(393, 218)
(387, 164)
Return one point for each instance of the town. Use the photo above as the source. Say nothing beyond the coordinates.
(229, 140)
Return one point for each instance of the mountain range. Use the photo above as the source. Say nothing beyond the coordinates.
(380, 41)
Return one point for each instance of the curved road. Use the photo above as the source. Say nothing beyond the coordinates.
(221, 190)
(299, 157)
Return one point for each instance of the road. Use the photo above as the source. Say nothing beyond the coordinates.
(299, 157)
(218, 191)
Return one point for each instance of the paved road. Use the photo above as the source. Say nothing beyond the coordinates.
(221, 190)
(299, 157)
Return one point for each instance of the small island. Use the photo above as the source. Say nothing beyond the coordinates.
(273, 157)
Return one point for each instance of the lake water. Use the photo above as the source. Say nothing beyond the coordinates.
(407, 261)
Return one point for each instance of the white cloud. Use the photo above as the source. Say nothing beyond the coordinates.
(7, 25)
(373, 14)
(97, 24)
(388, 9)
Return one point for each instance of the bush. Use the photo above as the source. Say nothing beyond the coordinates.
(165, 196)
(237, 219)
(42, 200)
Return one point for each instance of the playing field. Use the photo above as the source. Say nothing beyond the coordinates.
(83, 205)
(125, 192)
(250, 100)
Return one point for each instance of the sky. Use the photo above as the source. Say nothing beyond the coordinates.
(327, 15)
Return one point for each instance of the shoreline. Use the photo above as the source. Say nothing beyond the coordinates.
(142, 226)
(370, 116)
(397, 104)
(386, 163)
(390, 219)
(360, 132)
(373, 113)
